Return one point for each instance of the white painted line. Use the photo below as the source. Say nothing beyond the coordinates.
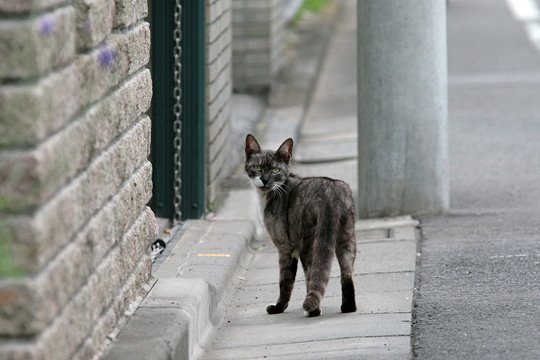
(524, 10)
(514, 256)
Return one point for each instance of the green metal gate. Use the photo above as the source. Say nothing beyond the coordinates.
(178, 108)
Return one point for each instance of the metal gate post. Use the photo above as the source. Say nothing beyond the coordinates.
(163, 101)
(193, 108)
(178, 108)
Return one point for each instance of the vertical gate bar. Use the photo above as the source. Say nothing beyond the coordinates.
(193, 109)
(162, 148)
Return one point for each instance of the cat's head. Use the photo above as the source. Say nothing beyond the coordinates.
(267, 169)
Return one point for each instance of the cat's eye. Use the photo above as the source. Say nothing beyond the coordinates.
(257, 168)
(276, 170)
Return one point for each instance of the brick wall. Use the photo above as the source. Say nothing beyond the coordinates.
(258, 43)
(219, 91)
(74, 175)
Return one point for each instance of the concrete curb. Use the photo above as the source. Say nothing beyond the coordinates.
(183, 306)
(167, 325)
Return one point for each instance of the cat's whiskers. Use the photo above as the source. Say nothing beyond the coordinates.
(247, 180)
(274, 190)
(278, 188)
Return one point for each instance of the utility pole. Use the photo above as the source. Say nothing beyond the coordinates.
(402, 108)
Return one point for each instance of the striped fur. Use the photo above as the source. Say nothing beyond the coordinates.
(311, 219)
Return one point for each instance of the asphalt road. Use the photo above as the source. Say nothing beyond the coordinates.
(479, 281)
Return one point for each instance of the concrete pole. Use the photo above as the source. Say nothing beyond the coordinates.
(402, 108)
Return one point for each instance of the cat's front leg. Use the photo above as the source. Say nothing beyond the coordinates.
(287, 273)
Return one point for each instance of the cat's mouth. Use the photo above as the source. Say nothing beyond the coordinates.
(265, 187)
(261, 185)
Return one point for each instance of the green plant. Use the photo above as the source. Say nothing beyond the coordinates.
(310, 6)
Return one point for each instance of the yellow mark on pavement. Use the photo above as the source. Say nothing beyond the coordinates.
(215, 255)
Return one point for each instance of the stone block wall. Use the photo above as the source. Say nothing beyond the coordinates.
(218, 93)
(258, 43)
(74, 174)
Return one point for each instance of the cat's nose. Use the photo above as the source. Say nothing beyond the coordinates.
(264, 180)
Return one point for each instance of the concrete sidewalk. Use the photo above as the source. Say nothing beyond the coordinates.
(384, 276)
(217, 275)
(387, 248)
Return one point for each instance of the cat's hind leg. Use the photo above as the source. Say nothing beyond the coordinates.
(346, 253)
(287, 273)
(317, 279)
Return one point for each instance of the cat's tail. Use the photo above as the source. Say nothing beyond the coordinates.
(321, 264)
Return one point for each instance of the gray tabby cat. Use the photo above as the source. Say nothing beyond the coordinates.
(308, 218)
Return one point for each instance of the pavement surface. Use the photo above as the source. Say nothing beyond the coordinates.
(380, 329)
(479, 279)
(325, 145)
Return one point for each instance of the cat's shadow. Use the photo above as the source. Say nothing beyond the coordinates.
(296, 315)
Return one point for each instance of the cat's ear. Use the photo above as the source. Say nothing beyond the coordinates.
(252, 146)
(284, 152)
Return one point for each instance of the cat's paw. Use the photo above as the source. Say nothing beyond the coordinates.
(275, 309)
(314, 313)
(348, 307)
(312, 302)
